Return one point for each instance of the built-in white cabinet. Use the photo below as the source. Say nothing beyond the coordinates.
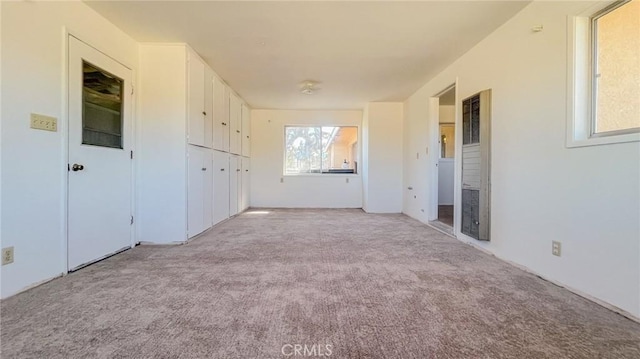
(246, 130)
(235, 184)
(244, 187)
(220, 186)
(208, 107)
(199, 189)
(235, 121)
(189, 118)
(200, 101)
(220, 116)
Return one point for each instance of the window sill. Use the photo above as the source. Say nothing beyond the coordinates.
(603, 140)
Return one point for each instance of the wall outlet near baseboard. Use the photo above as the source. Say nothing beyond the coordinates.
(7, 255)
(556, 248)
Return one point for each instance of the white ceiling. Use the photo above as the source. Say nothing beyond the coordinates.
(358, 51)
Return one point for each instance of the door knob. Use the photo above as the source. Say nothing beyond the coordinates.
(77, 167)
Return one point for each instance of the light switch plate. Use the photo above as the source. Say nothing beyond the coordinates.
(42, 122)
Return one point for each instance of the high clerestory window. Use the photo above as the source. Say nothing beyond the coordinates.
(604, 91)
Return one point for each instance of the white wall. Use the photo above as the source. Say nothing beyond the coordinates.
(267, 157)
(382, 174)
(34, 161)
(447, 113)
(162, 168)
(587, 197)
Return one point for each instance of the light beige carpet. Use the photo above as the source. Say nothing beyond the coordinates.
(361, 286)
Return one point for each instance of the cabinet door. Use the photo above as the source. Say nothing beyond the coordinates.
(227, 127)
(234, 185)
(220, 186)
(195, 96)
(208, 107)
(235, 122)
(220, 124)
(207, 192)
(245, 183)
(195, 202)
(246, 131)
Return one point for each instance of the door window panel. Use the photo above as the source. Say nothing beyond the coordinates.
(102, 95)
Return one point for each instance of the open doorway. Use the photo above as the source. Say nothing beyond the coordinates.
(446, 158)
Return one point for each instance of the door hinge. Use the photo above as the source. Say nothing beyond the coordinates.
(131, 219)
(131, 154)
(132, 90)
(68, 167)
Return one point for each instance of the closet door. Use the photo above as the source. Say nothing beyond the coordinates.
(208, 107)
(246, 130)
(195, 96)
(235, 122)
(234, 184)
(207, 192)
(220, 116)
(244, 197)
(195, 198)
(220, 186)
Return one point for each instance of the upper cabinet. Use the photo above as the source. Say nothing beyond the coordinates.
(199, 105)
(208, 107)
(220, 116)
(246, 131)
(235, 121)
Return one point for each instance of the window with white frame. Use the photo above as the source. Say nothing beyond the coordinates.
(605, 91)
(320, 149)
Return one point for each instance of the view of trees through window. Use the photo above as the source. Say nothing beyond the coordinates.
(321, 149)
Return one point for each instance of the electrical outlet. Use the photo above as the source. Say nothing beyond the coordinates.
(42, 122)
(556, 248)
(347, 180)
(7, 255)
(281, 180)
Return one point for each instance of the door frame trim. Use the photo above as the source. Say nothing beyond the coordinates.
(433, 142)
(63, 127)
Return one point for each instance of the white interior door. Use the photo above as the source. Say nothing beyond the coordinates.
(100, 144)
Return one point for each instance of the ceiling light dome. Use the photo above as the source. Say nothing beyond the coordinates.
(308, 87)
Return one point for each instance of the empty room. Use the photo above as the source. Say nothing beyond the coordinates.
(346, 179)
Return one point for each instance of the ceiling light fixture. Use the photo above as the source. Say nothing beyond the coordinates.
(308, 87)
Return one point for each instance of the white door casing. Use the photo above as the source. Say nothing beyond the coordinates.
(99, 178)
